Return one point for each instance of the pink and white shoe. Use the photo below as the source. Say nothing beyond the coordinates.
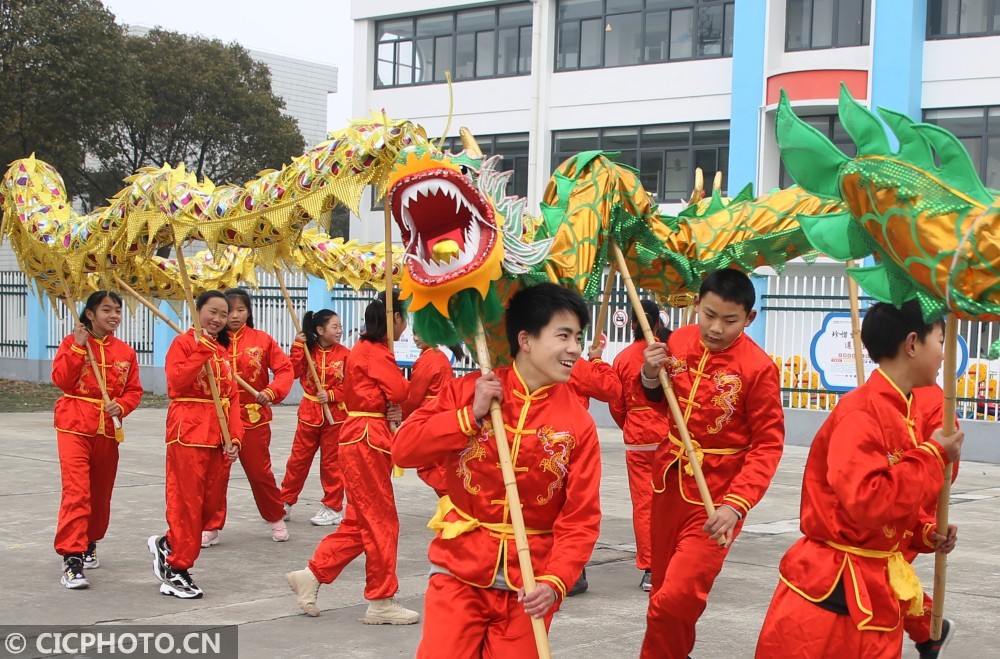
(279, 532)
(209, 539)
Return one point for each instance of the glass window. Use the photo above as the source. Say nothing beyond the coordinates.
(641, 31)
(664, 154)
(622, 40)
(476, 43)
(817, 24)
(962, 18)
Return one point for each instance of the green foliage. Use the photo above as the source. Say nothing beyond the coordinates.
(98, 104)
(62, 76)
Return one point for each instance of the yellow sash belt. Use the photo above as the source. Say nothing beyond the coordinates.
(451, 530)
(224, 401)
(100, 407)
(680, 454)
(375, 415)
(903, 580)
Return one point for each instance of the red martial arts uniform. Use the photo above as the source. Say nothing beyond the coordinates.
(731, 401)
(643, 425)
(868, 481)
(313, 432)
(371, 525)
(929, 403)
(594, 379)
(85, 435)
(252, 354)
(195, 457)
(431, 372)
(471, 607)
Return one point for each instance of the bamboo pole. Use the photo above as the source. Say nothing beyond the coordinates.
(117, 422)
(602, 314)
(675, 408)
(327, 414)
(171, 324)
(513, 497)
(209, 372)
(949, 427)
(852, 294)
(397, 472)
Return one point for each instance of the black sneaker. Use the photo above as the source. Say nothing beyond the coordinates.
(580, 586)
(647, 581)
(932, 649)
(160, 549)
(72, 576)
(180, 584)
(90, 561)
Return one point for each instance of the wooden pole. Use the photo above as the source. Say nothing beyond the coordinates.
(602, 315)
(513, 498)
(675, 408)
(327, 414)
(209, 372)
(852, 294)
(117, 422)
(171, 324)
(949, 427)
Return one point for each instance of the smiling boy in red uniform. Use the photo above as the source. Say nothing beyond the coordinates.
(868, 485)
(729, 393)
(473, 606)
(642, 423)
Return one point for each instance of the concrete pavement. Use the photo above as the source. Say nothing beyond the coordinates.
(243, 576)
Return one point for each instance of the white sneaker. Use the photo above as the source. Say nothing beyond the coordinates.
(327, 517)
(389, 612)
(279, 532)
(209, 539)
(288, 512)
(306, 587)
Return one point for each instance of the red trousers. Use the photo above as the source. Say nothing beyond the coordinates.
(465, 622)
(193, 498)
(639, 465)
(795, 627)
(255, 458)
(309, 439)
(221, 491)
(88, 466)
(685, 564)
(370, 526)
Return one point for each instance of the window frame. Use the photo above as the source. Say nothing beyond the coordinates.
(427, 74)
(669, 9)
(866, 15)
(692, 145)
(992, 9)
(989, 128)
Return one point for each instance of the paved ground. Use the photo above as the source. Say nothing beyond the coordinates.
(243, 582)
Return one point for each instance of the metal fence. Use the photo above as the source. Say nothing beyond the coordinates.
(793, 309)
(13, 314)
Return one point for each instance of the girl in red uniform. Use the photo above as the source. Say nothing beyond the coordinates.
(195, 448)
(88, 452)
(252, 354)
(371, 525)
(321, 334)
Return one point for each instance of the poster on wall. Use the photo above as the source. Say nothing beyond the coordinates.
(832, 354)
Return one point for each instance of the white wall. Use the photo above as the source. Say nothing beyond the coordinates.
(961, 72)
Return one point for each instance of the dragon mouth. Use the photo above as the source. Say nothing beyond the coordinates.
(447, 225)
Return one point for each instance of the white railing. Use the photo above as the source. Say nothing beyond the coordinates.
(13, 314)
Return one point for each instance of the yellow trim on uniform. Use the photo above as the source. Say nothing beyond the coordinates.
(553, 580)
(933, 450)
(903, 580)
(77, 349)
(449, 530)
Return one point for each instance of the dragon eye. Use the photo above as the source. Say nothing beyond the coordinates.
(465, 170)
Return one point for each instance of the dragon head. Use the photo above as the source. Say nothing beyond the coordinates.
(453, 242)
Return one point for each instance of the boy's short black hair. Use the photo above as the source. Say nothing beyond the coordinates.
(532, 308)
(885, 327)
(652, 311)
(732, 286)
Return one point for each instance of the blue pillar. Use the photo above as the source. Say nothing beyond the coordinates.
(317, 297)
(758, 328)
(38, 326)
(749, 30)
(163, 334)
(897, 55)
